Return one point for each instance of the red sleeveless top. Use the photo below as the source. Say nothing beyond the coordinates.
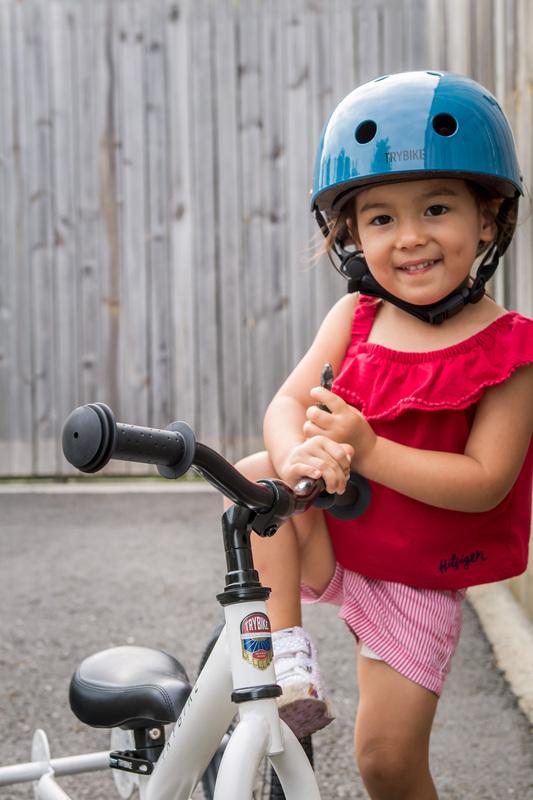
(428, 401)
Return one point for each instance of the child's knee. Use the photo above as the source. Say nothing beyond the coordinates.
(390, 769)
(256, 466)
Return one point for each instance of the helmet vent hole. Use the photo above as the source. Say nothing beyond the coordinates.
(366, 131)
(445, 124)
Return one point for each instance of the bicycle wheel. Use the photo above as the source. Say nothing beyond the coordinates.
(267, 785)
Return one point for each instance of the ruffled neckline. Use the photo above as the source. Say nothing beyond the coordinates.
(453, 377)
(452, 350)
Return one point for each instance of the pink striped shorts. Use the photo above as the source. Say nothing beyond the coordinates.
(415, 631)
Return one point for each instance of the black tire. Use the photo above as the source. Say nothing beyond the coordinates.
(268, 786)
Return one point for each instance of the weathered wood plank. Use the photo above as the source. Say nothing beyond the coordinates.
(393, 38)
(275, 358)
(331, 36)
(36, 53)
(132, 310)
(459, 36)
(228, 205)
(16, 408)
(299, 168)
(98, 193)
(181, 217)
(94, 187)
(64, 21)
(436, 33)
(417, 54)
(369, 44)
(256, 297)
(157, 245)
(206, 271)
(7, 283)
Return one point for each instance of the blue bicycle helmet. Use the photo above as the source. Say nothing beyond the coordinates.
(416, 125)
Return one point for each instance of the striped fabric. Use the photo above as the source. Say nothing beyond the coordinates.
(415, 631)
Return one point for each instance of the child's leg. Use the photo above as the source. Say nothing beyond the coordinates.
(300, 552)
(392, 731)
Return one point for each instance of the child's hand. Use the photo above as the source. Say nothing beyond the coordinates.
(319, 457)
(344, 424)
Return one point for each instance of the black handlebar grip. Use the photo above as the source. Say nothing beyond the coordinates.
(355, 499)
(349, 505)
(91, 437)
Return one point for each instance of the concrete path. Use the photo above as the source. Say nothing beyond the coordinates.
(81, 571)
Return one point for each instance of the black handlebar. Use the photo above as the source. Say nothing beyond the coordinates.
(91, 437)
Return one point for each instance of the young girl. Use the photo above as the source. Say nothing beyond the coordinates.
(416, 182)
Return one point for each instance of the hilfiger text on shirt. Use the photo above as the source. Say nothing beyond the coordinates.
(461, 562)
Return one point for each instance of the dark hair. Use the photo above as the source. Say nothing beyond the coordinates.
(505, 218)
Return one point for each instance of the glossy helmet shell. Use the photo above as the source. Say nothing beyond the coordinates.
(414, 125)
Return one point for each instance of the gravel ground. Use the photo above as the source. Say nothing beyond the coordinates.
(82, 572)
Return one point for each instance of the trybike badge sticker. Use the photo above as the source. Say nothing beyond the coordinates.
(256, 640)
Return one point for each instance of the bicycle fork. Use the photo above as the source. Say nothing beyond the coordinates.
(260, 731)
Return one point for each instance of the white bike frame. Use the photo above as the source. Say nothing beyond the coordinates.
(198, 732)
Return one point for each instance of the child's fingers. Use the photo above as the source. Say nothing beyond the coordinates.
(324, 449)
(302, 470)
(321, 418)
(319, 457)
(334, 478)
(328, 398)
(349, 450)
(341, 455)
(333, 462)
(310, 429)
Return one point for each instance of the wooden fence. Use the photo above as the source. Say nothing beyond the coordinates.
(155, 164)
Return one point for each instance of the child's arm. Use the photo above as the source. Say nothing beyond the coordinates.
(293, 454)
(474, 481)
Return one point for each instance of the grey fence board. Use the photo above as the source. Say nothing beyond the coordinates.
(274, 349)
(64, 252)
(156, 247)
(16, 442)
(206, 278)
(181, 216)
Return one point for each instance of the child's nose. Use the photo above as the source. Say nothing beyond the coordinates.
(410, 234)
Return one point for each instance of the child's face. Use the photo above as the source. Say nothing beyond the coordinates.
(420, 238)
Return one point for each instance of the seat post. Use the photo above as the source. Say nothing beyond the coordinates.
(150, 741)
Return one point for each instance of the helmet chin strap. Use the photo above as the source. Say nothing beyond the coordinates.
(360, 279)
(354, 267)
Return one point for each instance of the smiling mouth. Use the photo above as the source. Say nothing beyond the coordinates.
(421, 266)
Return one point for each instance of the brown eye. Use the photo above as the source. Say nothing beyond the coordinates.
(383, 219)
(436, 210)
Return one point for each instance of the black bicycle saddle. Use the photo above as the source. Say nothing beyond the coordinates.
(129, 687)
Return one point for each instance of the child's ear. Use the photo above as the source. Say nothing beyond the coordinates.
(489, 212)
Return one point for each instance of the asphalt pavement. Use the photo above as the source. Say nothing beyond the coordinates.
(82, 571)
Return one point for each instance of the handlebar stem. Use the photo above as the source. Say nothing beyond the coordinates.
(242, 580)
(286, 503)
